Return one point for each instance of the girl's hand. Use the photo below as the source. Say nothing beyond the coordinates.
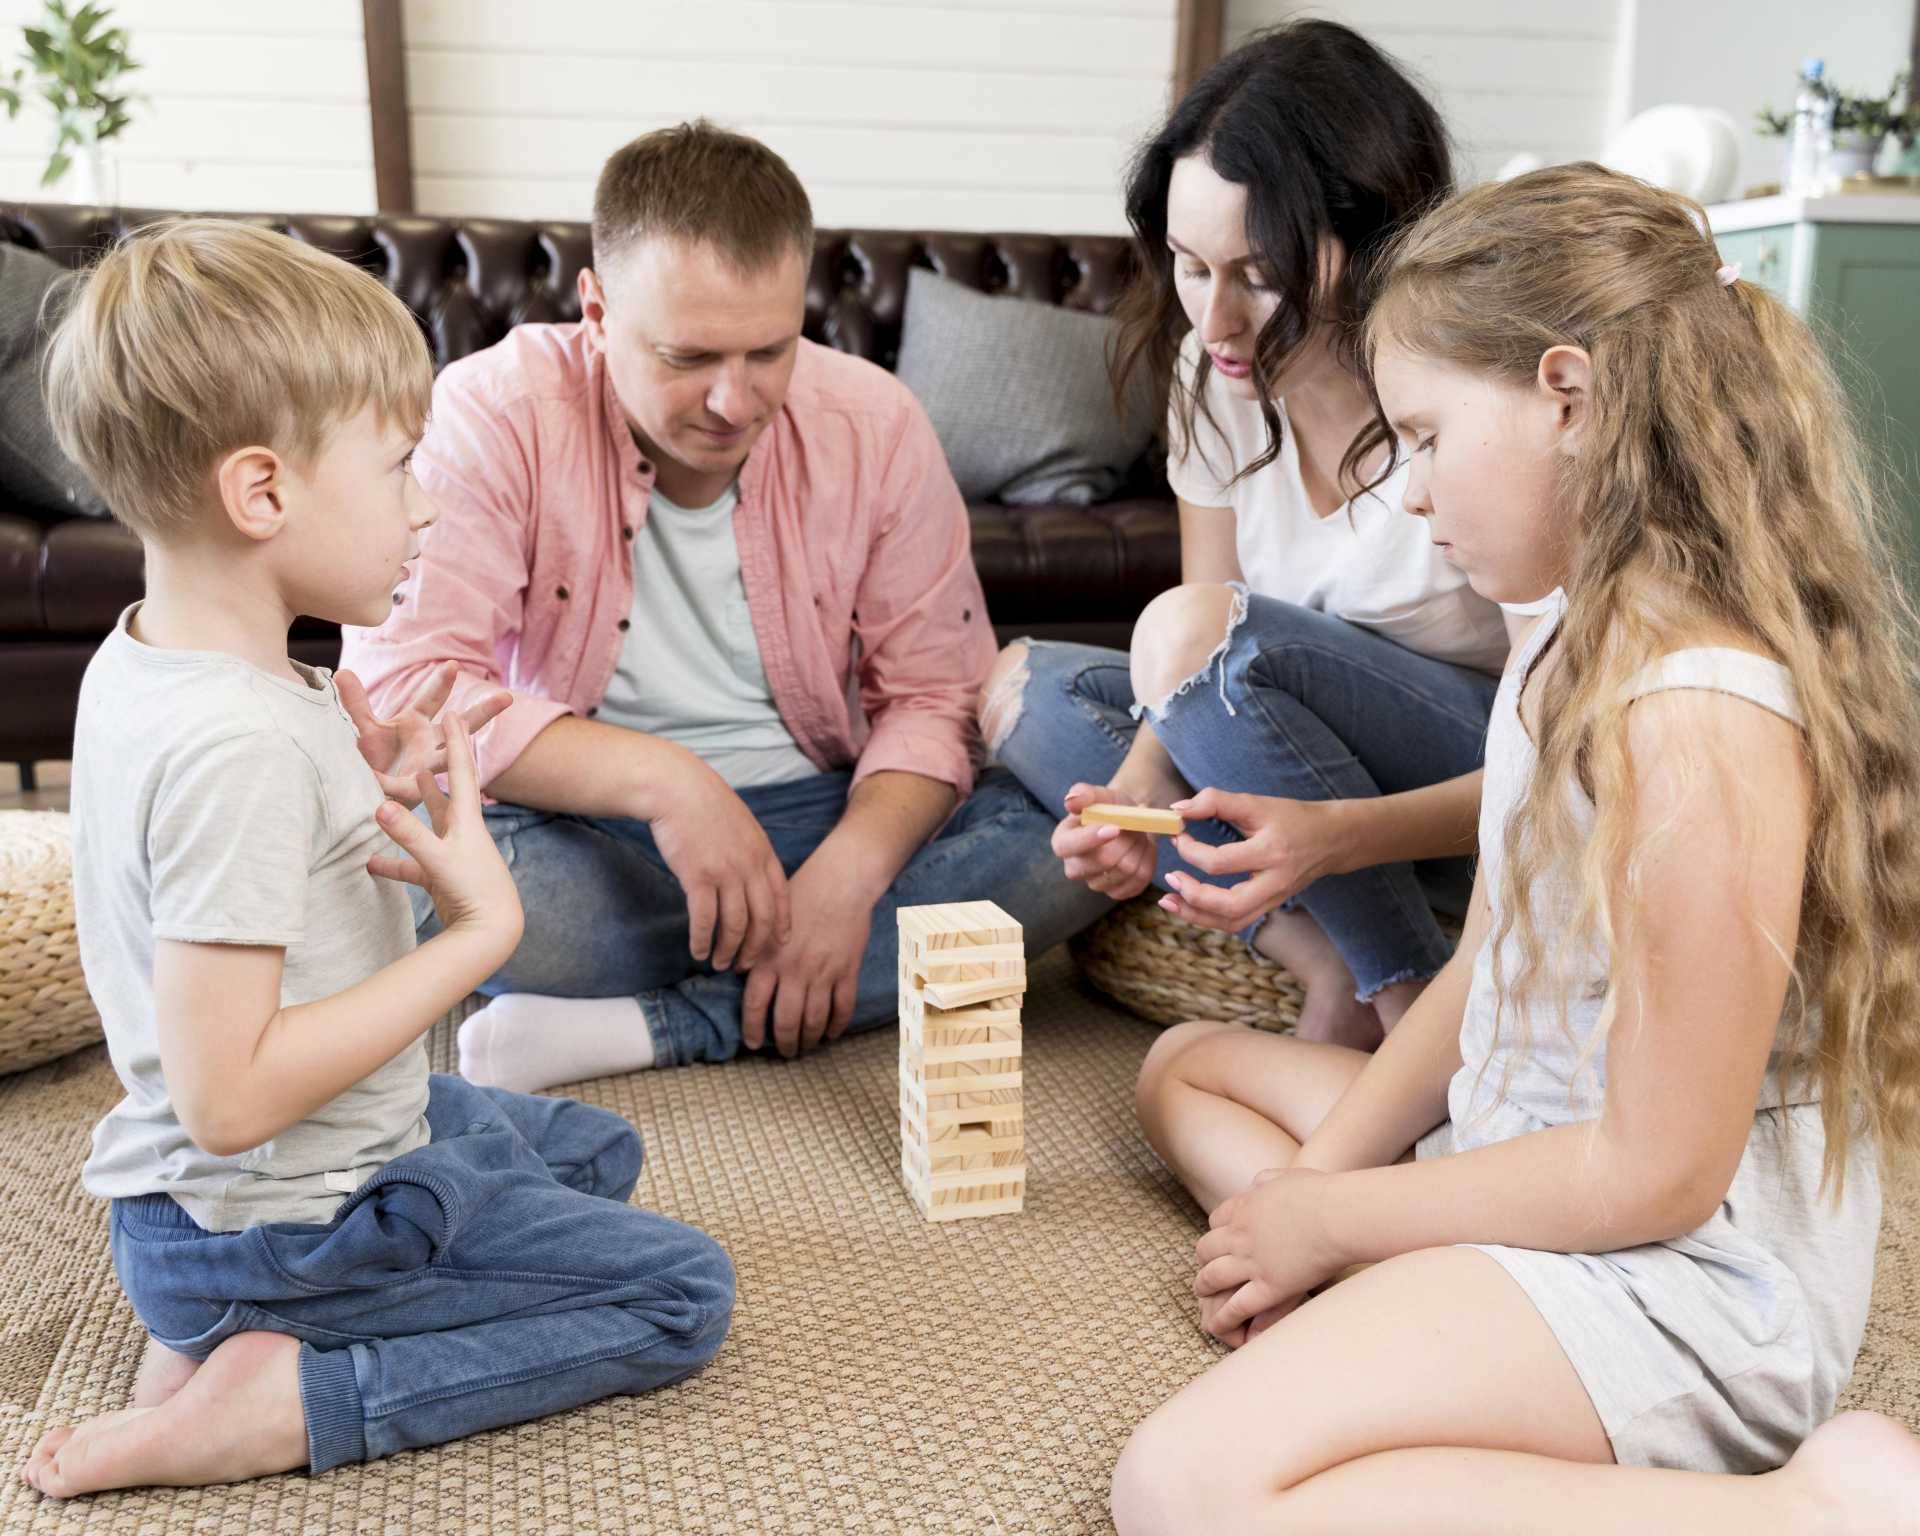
(1288, 844)
(456, 862)
(412, 742)
(1267, 1247)
(1111, 860)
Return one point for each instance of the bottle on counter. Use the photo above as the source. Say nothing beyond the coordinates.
(1811, 135)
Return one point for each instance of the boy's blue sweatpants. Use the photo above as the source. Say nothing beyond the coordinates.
(494, 1275)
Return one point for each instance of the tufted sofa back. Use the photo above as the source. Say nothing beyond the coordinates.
(472, 280)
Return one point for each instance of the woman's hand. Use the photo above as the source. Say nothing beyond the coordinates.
(1111, 860)
(1287, 845)
(1267, 1248)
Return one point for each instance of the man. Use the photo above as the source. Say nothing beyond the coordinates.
(725, 573)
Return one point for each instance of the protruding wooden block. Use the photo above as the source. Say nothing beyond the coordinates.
(1135, 818)
(962, 974)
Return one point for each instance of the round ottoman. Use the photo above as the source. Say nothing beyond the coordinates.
(44, 1008)
(1169, 971)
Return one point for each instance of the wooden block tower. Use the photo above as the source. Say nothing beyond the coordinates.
(963, 971)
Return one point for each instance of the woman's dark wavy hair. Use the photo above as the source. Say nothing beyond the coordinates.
(1329, 137)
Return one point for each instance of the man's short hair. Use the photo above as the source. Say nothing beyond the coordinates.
(702, 184)
(195, 337)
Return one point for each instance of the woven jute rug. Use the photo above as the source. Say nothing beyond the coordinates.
(882, 1375)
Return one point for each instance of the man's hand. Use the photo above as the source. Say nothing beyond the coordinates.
(811, 980)
(456, 863)
(1110, 860)
(1267, 1247)
(399, 750)
(1288, 844)
(738, 908)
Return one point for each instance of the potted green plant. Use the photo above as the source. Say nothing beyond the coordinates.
(1860, 125)
(74, 63)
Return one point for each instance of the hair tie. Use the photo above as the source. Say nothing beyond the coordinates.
(1728, 275)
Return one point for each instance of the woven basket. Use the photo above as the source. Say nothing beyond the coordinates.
(1169, 971)
(44, 1007)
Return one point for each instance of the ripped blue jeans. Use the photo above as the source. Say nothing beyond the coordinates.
(1295, 704)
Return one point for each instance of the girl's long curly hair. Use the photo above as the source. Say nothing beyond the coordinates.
(1719, 485)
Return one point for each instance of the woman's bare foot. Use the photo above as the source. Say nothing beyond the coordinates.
(1858, 1473)
(163, 1372)
(238, 1416)
(1330, 1012)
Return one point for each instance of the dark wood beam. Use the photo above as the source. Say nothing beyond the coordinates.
(387, 104)
(1199, 34)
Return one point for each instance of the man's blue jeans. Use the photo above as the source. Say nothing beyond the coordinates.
(1295, 704)
(494, 1275)
(605, 917)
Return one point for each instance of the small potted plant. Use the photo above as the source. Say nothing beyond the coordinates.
(74, 63)
(1860, 125)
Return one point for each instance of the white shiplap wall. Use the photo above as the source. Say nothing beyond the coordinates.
(1507, 75)
(258, 105)
(942, 114)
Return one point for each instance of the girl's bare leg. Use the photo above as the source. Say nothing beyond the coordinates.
(1426, 1393)
(1220, 1103)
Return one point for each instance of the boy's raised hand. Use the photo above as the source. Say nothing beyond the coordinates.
(455, 861)
(412, 742)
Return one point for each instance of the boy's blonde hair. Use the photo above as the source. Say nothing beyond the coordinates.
(195, 337)
(1720, 487)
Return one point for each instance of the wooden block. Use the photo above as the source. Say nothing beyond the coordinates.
(1135, 818)
(958, 994)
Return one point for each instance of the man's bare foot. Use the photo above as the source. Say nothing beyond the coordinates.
(1857, 1474)
(238, 1416)
(163, 1372)
(1330, 1011)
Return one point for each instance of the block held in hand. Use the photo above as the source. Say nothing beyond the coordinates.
(1135, 818)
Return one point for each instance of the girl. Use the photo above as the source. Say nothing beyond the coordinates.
(1320, 655)
(1616, 1172)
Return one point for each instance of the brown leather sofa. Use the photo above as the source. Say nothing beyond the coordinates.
(1061, 572)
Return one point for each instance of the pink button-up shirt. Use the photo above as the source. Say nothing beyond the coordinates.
(853, 551)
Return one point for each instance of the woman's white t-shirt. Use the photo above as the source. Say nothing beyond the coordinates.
(1368, 562)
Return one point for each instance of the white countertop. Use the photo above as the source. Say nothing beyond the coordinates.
(1836, 208)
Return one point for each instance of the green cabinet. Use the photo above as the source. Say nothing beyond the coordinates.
(1850, 266)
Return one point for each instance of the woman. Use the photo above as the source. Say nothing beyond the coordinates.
(1322, 676)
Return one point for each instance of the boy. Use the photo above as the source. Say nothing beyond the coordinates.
(335, 1254)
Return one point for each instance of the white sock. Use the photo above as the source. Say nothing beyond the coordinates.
(526, 1042)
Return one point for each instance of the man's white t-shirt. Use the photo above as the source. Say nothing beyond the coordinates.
(1368, 562)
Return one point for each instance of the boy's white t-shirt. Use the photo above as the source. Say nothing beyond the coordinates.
(1368, 562)
(214, 803)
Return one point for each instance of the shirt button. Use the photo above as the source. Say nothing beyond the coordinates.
(594, 711)
(561, 593)
(625, 625)
(399, 598)
(966, 616)
(627, 534)
(645, 467)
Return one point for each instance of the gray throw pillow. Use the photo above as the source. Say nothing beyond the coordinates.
(1018, 394)
(32, 467)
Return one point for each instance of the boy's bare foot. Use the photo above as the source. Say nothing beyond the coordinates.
(238, 1416)
(1330, 1012)
(1858, 1473)
(163, 1372)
